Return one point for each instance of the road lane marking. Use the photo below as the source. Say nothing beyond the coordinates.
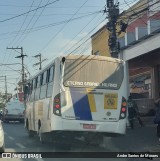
(9, 150)
(39, 159)
(10, 137)
(20, 145)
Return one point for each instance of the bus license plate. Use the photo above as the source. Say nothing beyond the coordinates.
(89, 126)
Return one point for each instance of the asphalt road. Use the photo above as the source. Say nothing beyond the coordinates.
(138, 140)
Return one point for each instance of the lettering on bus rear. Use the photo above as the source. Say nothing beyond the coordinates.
(109, 75)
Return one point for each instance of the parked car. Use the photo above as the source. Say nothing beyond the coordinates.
(2, 145)
(14, 111)
(145, 105)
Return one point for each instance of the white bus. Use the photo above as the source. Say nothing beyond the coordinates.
(82, 95)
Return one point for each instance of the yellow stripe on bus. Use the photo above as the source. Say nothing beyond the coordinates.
(92, 103)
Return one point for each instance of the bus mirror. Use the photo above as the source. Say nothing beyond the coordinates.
(26, 89)
(63, 60)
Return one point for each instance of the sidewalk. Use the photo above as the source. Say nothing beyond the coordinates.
(146, 135)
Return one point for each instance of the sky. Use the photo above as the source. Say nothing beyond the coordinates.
(61, 27)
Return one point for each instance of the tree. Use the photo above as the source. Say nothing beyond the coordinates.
(2, 100)
(2, 105)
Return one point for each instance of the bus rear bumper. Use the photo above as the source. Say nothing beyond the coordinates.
(108, 128)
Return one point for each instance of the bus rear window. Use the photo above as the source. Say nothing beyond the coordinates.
(93, 73)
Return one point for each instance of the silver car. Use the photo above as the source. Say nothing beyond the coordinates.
(1, 138)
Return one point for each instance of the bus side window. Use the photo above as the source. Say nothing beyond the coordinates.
(50, 81)
(33, 89)
(26, 92)
(41, 82)
(43, 85)
(30, 86)
(37, 92)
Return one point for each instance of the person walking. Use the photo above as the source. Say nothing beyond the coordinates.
(1, 114)
(133, 112)
(157, 117)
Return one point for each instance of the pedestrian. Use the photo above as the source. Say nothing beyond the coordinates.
(1, 113)
(133, 112)
(157, 117)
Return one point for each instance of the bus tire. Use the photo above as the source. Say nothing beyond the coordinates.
(30, 132)
(2, 149)
(21, 121)
(42, 136)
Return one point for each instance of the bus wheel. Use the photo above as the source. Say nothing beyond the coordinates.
(30, 132)
(2, 149)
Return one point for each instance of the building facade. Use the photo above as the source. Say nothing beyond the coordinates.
(144, 68)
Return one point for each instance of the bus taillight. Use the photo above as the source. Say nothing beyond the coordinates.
(123, 108)
(57, 105)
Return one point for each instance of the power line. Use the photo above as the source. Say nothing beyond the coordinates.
(36, 20)
(81, 40)
(28, 12)
(57, 14)
(19, 30)
(137, 14)
(80, 31)
(22, 57)
(29, 22)
(9, 64)
(40, 61)
(51, 25)
(34, 14)
(81, 17)
(23, 6)
(81, 44)
(144, 9)
(64, 26)
(22, 24)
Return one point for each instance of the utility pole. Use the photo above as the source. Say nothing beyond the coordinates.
(6, 87)
(6, 92)
(113, 13)
(40, 60)
(22, 57)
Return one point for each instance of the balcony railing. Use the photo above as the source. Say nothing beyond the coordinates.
(140, 33)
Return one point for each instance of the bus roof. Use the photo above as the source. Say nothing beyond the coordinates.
(93, 57)
(74, 56)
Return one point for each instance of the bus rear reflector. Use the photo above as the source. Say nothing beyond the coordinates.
(57, 106)
(123, 109)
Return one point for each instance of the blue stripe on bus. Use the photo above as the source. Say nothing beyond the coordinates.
(80, 104)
